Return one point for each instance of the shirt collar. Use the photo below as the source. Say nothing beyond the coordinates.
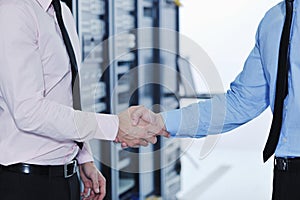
(45, 4)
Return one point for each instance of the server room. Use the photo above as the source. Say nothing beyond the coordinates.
(149, 100)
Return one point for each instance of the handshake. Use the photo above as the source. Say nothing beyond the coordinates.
(139, 126)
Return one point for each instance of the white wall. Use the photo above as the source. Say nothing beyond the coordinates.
(234, 170)
(226, 32)
(224, 29)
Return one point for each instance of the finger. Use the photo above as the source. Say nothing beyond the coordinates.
(165, 134)
(151, 139)
(154, 129)
(135, 143)
(99, 196)
(102, 182)
(142, 123)
(91, 196)
(143, 142)
(140, 142)
(137, 114)
(157, 130)
(124, 145)
(95, 183)
(117, 140)
(86, 192)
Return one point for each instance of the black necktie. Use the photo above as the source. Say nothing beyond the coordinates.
(281, 84)
(74, 68)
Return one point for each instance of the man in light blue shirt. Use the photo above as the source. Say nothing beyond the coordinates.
(249, 95)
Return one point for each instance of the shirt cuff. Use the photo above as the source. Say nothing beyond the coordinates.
(95, 126)
(183, 122)
(109, 125)
(172, 119)
(85, 154)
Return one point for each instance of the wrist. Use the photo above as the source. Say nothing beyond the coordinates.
(161, 122)
(87, 163)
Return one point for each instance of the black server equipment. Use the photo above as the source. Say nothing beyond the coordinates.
(167, 151)
(120, 166)
(129, 56)
(91, 20)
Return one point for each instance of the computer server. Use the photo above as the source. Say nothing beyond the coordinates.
(124, 63)
(120, 165)
(90, 17)
(158, 90)
(146, 75)
(92, 30)
(169, 153)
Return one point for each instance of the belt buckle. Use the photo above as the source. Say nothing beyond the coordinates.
(72, 162)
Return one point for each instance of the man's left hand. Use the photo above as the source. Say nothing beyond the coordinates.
(93, 181)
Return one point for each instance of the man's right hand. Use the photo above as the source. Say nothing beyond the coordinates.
(138, 126)
(141, 115)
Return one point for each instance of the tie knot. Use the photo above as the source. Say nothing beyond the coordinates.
(56, 6)
(289, 1)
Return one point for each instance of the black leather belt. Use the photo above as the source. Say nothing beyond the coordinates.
(67, 170)
(287, 164)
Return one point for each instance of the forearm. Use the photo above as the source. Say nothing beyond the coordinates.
(220, 114)
(60, 122)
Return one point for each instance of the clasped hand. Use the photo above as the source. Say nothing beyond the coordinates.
(139, 126)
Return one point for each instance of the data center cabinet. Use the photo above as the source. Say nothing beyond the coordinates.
(129, 57)
(120, 166)
(167, 158)
(92, 27)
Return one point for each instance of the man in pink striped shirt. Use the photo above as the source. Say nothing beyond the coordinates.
(38, 125)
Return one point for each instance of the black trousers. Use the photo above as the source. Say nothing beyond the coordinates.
(286, 185)
(18, 186)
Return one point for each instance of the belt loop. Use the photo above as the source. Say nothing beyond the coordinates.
(288, 164)
(285, 166)
(281, 164)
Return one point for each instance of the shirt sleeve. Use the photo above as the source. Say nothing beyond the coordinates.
(247, 97)
(22, 86)
(85, 154)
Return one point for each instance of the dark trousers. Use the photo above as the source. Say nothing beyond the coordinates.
(18, 186)
(286, 185)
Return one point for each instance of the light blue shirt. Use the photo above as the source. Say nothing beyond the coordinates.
(252, 91)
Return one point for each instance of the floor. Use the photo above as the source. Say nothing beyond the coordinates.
(228, 166)
(225, 174)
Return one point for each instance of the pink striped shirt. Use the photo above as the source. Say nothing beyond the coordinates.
(37, 122)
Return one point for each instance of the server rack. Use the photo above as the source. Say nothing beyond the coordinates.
(158, 43)
(167, 178)
(121, 166)
(91, 20)
(146, 82)
(117, 36)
